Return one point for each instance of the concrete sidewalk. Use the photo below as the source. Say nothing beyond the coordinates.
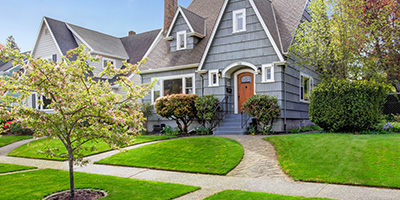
(212, 184)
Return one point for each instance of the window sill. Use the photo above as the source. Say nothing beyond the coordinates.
(304, 101)
(236, 32)
(271, 81)
(213, 86)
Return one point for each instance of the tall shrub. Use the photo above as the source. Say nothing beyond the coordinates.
(347, 106)
(205, 107)
(265, 109)
(178, 107)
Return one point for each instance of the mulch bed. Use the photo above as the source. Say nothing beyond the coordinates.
(79, 195)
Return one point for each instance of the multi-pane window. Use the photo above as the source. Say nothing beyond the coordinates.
(239, 20)
(173, 85)
(213, 78)
(40, 102)
(306, 85)
(181, 40)
(267, 73)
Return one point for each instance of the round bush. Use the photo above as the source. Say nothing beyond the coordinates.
(264, 109)
(347, 106)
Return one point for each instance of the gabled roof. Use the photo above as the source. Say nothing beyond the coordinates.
(288, 14)
(62, 35)
(99, 42)
(137, 45)
(195, 22)
(162, 57)
(5, 66)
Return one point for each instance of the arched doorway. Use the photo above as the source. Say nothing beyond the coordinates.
(245, 86)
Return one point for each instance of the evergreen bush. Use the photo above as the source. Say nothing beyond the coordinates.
(347, 106)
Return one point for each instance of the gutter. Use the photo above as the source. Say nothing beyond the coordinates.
(166, 69)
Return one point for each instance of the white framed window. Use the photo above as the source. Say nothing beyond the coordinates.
(239, 20)
(40, 102)
(106, 61)
(179, 84)
(306, 85)
(181, 40)
(213, 79)
(267, 73)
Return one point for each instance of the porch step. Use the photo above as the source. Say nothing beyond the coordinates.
(231, 125)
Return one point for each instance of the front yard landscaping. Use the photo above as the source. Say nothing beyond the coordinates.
(31, 149)
(372, 160)
(4, 168)
(210, 155)
(41, 183)
(6, 140)
(244, 195)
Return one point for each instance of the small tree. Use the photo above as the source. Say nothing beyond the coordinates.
(84, 109)
(147, 110)
(10, 42)
(265, 109)
(206, 107)
(178, 107)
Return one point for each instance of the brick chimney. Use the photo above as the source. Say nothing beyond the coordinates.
(132, 33)
(170, 8)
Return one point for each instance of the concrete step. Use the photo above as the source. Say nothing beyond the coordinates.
(229, 132)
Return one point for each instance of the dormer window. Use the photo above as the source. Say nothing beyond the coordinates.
(239, 20)
(181, 40)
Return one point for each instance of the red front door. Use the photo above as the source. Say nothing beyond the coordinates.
(245, 88)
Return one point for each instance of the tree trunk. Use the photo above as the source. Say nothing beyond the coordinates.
(71, 172)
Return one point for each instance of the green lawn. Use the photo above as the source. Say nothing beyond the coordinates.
(341, 158)
(4, 168)
(211, 155)
(244, 195)
(6, 140)
(31, 149)
(38, 184)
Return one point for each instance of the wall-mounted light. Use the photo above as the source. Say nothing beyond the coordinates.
(219, 73)
(259, 70)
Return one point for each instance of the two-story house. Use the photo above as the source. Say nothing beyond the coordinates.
(233, 49)
(55, 38)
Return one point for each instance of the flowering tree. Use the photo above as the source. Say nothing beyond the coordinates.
(84, 109)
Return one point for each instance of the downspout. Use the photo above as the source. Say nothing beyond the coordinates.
(284, 99)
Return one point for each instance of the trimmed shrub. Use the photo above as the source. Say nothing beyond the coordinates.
(264, 108)
(178, 107)
(205, 107)
(347, 106)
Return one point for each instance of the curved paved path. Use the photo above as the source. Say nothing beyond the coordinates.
(259, 161)
(261, 179)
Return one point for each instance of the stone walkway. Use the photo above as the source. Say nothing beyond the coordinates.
(263, 175)
(259, 161)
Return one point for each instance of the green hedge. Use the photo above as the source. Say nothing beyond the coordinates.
(347, 106)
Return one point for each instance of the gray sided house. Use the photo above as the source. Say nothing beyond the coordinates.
(232, 49)
(55, 38)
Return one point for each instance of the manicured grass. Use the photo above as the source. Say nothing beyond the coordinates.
(6, 140)
(4, 168)
(38, 184)
(341, 158)
(244, 195)
(211, 155)
(31, 149)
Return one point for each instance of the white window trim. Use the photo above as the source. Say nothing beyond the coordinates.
(310, 86)
(235, 22)
(183, 77)
(40, 107)
(107, 59)
(264, 73)
(178, 42)
(210, 80)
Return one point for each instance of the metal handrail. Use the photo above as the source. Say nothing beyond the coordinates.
(219, 112)
(244, 117)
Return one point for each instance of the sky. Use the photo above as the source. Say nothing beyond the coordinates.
(22, 18)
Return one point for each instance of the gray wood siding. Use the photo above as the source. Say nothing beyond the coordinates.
(181, 25)
(252, 46)
(46, 47)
